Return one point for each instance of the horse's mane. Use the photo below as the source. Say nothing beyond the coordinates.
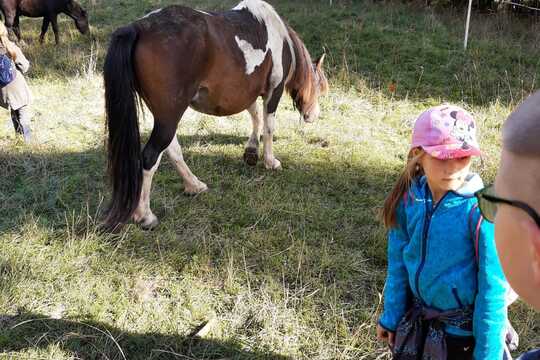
(301, 86)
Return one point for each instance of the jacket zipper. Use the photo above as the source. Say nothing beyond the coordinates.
(454, 291)
(427, 223)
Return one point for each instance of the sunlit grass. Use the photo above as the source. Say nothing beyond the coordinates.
(288, 263)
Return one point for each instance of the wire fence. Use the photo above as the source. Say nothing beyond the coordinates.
(519, 5)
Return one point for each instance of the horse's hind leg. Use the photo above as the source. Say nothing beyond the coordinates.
(251, 153)
(54, 23)
(143, 215)
(160, 139)
(16, 28)
(9, 21)
(192, 185)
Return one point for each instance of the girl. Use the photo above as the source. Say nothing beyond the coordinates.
(443, 298)
(16, 95)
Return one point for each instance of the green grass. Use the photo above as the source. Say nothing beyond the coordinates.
(284, 265)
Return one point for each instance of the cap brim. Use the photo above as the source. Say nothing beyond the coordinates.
(450, 151)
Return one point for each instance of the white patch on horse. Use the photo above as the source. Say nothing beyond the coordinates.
(151, 13)
(253, 57)
(204, 12)
(277, 34)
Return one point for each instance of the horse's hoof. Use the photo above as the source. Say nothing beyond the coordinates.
(198, 188)
(148, 222)
(251, 156)
(274, 164)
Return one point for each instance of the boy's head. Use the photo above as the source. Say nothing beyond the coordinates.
(516, 232)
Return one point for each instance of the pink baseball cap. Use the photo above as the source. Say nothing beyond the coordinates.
(446, 132)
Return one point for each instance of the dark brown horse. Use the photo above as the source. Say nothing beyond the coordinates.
(48, 9)
(216, 63)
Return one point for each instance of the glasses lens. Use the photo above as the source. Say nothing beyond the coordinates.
(487, 207)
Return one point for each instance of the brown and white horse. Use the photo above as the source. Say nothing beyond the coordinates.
(215, 63)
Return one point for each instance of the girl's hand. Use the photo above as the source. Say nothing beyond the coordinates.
(385, 335)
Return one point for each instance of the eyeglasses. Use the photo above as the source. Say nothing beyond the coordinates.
(488, 204)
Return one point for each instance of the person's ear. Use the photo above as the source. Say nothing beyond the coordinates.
(417, 151)
(533, 240)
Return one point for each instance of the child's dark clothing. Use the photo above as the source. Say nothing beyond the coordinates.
(21, 122)
(460, 348)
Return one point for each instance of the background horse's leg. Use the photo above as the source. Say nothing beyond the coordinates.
(16, 28)
(54, 23)
(270, 106)
(251, 153)
(44, 28)
(9, 21)
(192, 185)
(161, 137)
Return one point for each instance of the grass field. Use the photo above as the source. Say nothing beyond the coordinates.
(277, 265)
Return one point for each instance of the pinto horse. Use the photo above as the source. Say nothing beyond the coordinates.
(215, 63)
(48, 9)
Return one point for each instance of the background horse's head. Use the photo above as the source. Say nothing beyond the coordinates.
(79, 15)
(308, 81)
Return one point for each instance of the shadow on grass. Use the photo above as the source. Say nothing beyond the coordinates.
(315, 190)
(61, 180)
(93, 340)
(311, 228)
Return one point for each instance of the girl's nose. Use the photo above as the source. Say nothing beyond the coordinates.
(454, 165)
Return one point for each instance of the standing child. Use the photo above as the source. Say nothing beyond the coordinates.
(444, 298)
(16, 95)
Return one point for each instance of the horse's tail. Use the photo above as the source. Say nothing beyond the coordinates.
(124, 145)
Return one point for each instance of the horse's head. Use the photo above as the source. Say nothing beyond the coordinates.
(308, 83)
(79, 15)
(311, 110)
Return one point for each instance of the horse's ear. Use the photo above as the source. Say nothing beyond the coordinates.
(320, 61)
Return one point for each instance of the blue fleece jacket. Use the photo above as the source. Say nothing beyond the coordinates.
(431, 254)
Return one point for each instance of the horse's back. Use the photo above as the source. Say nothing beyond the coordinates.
(172, 19)
(201, 48)
(170, 55)
(35, 8)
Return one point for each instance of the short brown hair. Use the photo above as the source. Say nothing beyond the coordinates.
(521, 131)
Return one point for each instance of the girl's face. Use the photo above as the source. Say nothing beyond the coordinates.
(445, 175)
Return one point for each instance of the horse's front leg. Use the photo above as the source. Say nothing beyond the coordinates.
(270, 107)
(251, 153)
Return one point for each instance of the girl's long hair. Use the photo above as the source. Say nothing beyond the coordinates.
(8, 44)
(412, 171)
